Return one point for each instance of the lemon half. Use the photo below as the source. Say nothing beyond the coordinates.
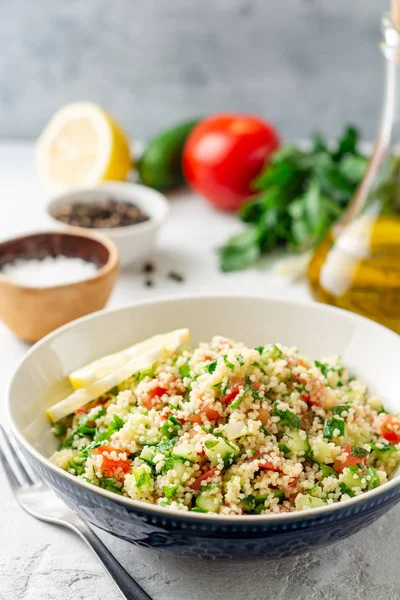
(80, 146)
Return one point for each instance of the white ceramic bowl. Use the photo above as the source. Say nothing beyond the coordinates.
(135, 241)
(368, 349)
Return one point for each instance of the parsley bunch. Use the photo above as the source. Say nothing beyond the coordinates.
(300, 194)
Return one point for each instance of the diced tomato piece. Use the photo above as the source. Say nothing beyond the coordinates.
(109, 466)
(153, 396)
(303, 363)
(312, 400)
(208, 412)
(196, 485)
(82, 411)
(266, 464)
(157, 391)
(391, 429)
(263, 416)
(351, 461)
(293, 481)
(230, 396)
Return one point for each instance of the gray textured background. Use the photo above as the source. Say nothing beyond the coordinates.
(303, 64)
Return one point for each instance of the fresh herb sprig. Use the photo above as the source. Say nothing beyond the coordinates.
(300, 194)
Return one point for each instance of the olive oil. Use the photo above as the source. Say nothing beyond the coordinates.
(357, 265)
(358, 268)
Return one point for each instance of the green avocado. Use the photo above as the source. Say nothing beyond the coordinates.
(160, 165)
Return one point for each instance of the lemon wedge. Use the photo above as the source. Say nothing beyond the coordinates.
(81, 397)
(81, 145)
(126, 368)
(102, 367)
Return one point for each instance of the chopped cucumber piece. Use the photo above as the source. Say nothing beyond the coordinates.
(372, 478)
(220, 450)
(234, 429)
(178, 465)
(322, 451)
(351, 477)
(297, 442)
(209, 501)
(143, 477)
(328, 471)
(306, 501)
(148, 453)
(186, 451)
(386, 453)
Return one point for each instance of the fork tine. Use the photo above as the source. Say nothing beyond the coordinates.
(23, 463)
(12, 460)
(12, 479)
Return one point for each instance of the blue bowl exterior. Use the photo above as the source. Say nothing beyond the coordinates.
(201, 538)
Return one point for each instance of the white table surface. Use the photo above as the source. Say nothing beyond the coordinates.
(43, 562)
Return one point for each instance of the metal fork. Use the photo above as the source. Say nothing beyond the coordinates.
(37, 499)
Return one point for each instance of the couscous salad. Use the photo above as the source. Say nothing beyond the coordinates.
(224, 428)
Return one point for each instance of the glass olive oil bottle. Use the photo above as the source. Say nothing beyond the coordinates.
(357, 265)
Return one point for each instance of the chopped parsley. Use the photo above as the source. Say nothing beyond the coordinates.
(116, 424)
(83, 430)
(240, 359)
(338, 410)
(287, 417)
(169, 491)
(212, 366)
(330, 426)
(358, 451)
(323, 367)
(109, 483)
(283, 448)
(345, 489)
(248, 503)
(228, 364)
(171, 427)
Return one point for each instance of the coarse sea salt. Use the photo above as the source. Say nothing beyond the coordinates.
(48, 271)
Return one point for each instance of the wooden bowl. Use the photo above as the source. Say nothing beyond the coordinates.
(32, 312)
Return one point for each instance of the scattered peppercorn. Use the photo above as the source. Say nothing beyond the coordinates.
(105, 213)
(149, 283)
(148, 267)
(176, 276)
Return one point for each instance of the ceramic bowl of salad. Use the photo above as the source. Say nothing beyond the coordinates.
(189, 424)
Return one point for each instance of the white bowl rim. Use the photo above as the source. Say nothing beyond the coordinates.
(160, 511)
(127, 188)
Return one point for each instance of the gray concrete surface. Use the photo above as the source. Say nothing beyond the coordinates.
(304, 64)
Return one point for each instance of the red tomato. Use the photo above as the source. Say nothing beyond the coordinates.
(351, 461)
(266, 464)
(149, 400)
(391, 429)
(196, 485)
(109, 466)
(227, 398)
(223, 155)
(207, 411)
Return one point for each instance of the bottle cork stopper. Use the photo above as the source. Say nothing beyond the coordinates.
(396, 13)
